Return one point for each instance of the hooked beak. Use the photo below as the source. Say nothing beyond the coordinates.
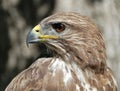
(35, 36)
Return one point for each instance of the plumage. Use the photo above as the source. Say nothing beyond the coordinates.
(77, 59)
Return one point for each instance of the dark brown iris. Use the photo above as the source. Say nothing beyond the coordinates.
(59, 27)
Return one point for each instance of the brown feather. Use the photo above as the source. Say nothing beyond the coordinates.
(79, 63)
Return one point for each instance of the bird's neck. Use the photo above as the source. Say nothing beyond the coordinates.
(83, 57)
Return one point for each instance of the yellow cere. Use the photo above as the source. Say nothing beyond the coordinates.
(37, 27)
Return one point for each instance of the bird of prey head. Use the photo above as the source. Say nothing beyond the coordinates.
(78, 61)
(70, 35)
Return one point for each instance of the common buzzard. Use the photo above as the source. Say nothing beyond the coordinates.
(77, 59)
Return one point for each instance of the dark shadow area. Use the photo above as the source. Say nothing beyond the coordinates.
(32, 11)
(91, 2)
(29, 9)
(4, 46)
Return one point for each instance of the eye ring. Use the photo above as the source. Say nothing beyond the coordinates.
(59, 27)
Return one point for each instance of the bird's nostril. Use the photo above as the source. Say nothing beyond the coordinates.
(37, 30)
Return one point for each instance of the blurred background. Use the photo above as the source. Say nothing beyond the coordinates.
(17, 17)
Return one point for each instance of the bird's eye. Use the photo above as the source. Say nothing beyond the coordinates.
(59, 27)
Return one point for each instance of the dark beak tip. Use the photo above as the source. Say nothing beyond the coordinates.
(31, 38)
(27, 43)
(28, 39)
